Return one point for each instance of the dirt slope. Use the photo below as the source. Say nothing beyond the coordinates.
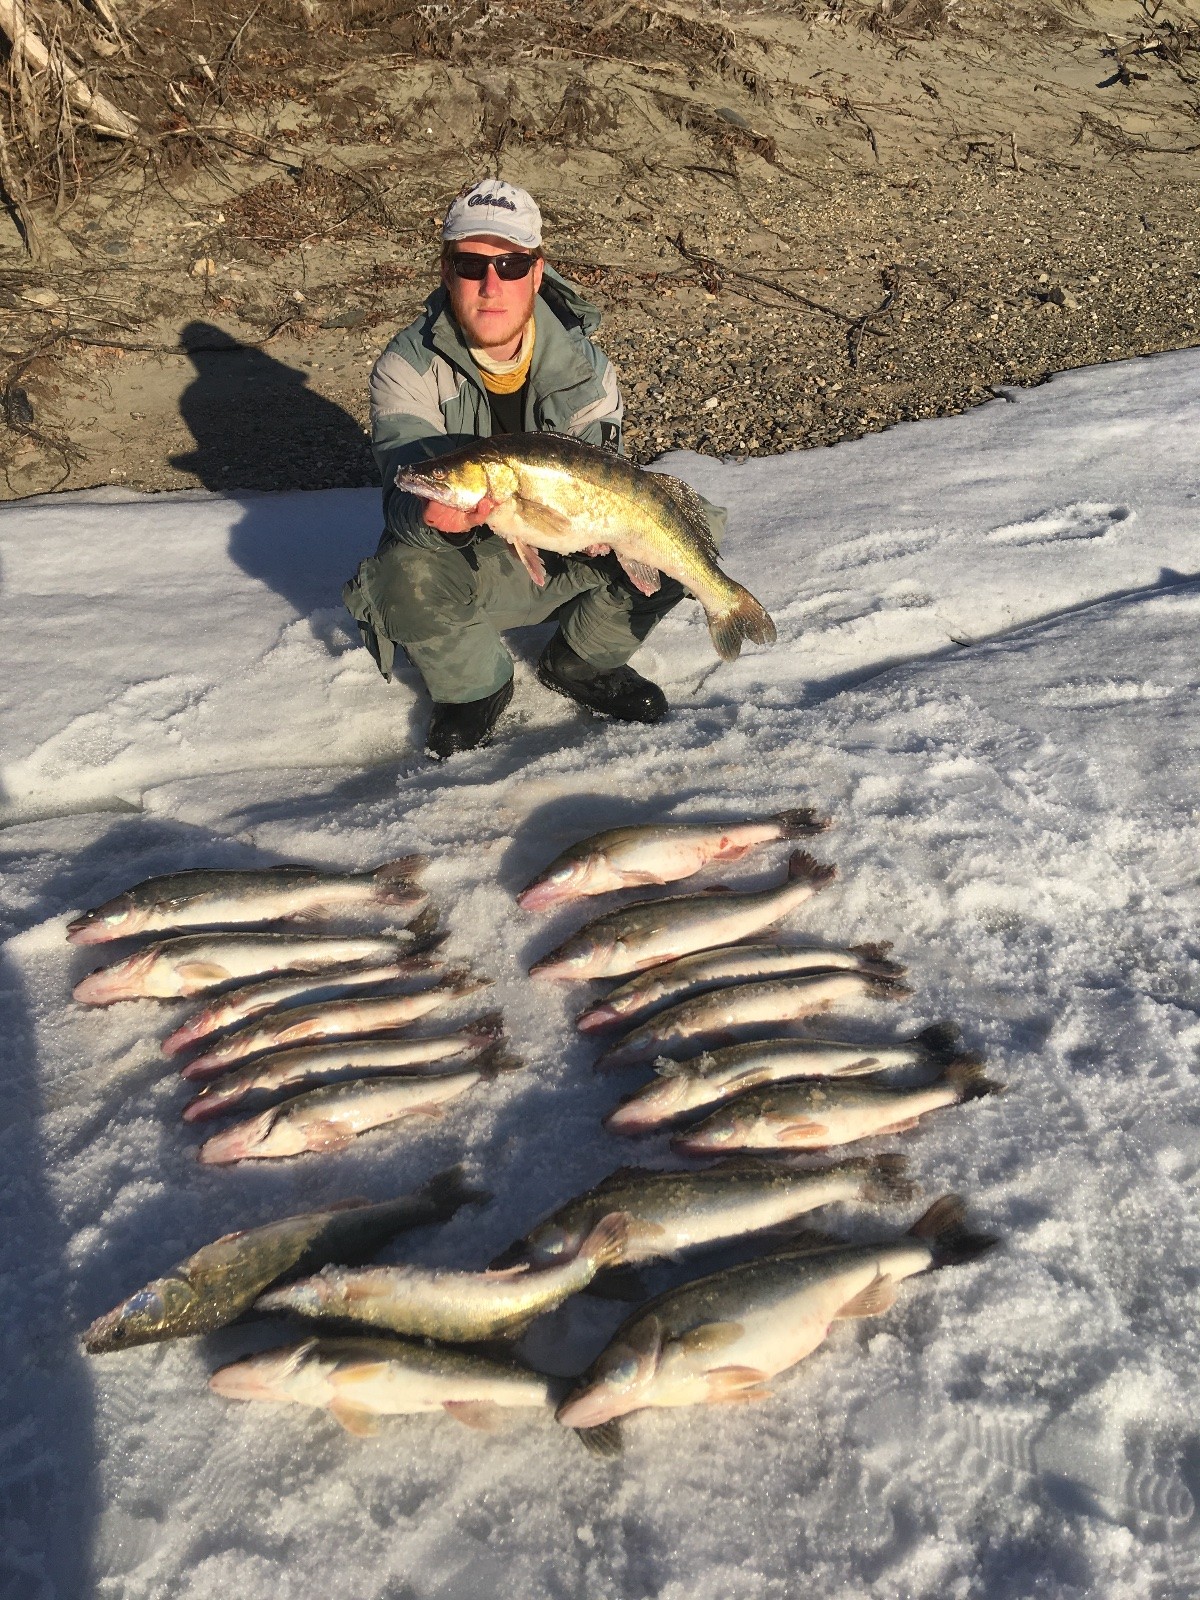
(803, 222)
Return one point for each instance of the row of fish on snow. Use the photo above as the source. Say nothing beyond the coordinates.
(291, 1010)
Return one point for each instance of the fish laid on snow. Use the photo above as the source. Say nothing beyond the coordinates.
(195, 963)
(222, 1280)
(309, 1066)
(654, 931)
(724, 1337)
(719, 1012)
(240, 1005)
(330, 1119)
(656, 853)
(331, 1019)
(739, 963)
(708, 1079)
(437, 1303)
(826, 1111)
(673, 1211)
(360, 1380)
(548, 492)
(204, 899)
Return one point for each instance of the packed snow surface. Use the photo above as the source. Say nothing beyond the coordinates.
(987, 672)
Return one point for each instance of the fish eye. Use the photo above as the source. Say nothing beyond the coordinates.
(553, 1242)
(720, 1135)
(564, 874)
(113, 917)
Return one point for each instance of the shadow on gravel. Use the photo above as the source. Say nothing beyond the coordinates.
(258, 426)
(48, 1492)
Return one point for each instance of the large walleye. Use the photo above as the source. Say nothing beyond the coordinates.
(679, 1087)
(330, 1119)
(331, 1019)
(252, 999)
(654, 931)
(360, 1380)
(195, 963)
(224, 1278)
(720, 1012)
(673, 1211)
(437, 1303)
(202, 899)
(550, 492)
(724, 1337)
(738, 963)
(657, 853)
(826, 1111)
(311, 1065)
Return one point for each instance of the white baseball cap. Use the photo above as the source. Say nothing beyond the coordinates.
(492, 207)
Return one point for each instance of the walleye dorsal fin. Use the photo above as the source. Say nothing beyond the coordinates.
(879, 1296)
(645, 579)
(691, 507)
(530, 560)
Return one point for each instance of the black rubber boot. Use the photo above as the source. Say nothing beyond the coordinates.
(618, 692)
(466, 725)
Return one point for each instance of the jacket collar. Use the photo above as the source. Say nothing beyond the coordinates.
(561, 314)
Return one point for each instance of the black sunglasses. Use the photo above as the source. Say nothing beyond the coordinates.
(468, 264)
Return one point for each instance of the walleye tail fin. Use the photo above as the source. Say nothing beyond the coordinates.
(803, 868)
(968, 1078)
(449, 1191)
(403, 869)
(603, 1441)
(486, 1029)
(940, 1041)
(461, 980)
(876, 952)
(944, 1229)
(887, 987)
(606, 1244)
(425, 931)
(745, 619)
(497, 1059)
(800, 823)
(884, 1179)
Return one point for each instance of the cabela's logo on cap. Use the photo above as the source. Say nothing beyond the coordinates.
(492, 200)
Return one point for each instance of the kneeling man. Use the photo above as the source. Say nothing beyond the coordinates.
(503, 347)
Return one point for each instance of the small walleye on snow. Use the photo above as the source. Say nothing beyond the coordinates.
(360, 1380)
(656, 853)
(673, 1211)
(724, 1337)
(437, 1303)
(679, 1087)
(654, 931)
(821, 1112)
(719, 1012)
(223, 1279)
(330, 1119)
(194, 963)
(542, 491)
(674, 981)
(252, 999)
(330, 1019)
(199, 898)
(311, 1065)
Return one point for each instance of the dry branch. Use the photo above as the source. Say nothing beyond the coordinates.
(28, 46)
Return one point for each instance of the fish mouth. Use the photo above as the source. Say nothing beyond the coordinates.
(598, 1017)
(243, 1381)
(540, 897)
(99, 989)
(589, 1408)
(85, 930)
(622, 1119)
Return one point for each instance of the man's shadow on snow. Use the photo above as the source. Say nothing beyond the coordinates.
(257, 426)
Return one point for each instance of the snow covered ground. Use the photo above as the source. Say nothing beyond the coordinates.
(987, 670)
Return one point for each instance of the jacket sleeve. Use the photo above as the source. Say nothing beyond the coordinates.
(407, 426)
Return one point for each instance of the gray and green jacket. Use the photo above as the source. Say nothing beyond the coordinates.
(427, 396)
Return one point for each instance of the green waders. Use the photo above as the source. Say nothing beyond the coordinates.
(447, 607)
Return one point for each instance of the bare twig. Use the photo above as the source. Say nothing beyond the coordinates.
(18, 201)
(854, 338)
(718, 270)
(96, 109)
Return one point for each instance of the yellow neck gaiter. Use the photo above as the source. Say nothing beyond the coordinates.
(506, 377)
